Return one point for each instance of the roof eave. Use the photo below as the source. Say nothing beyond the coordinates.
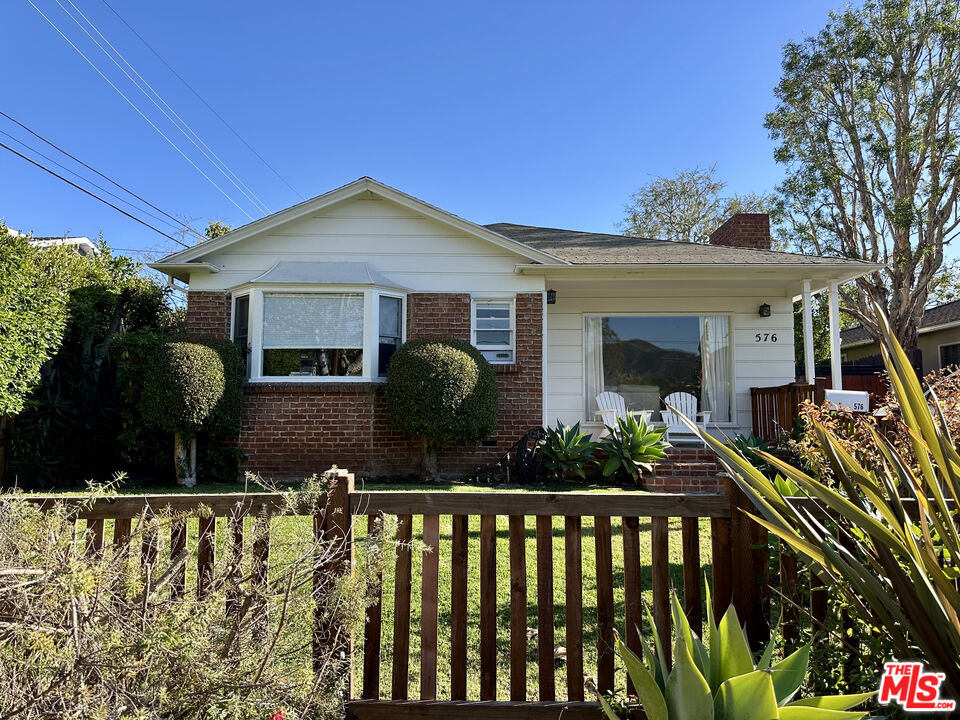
(182, 271)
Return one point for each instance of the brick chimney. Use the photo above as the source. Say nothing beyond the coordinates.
(744, 230)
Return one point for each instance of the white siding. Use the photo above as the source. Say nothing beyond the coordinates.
(414, 251)
(755, 364)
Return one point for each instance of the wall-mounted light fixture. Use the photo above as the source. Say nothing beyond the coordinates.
(765, 310)
(551, 297)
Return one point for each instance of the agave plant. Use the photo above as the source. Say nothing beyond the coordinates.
(897, 557)
(722, 681)
(634, 446)
(566, 450)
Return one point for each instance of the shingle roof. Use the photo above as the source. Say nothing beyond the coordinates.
(599, 248)
(932, 317)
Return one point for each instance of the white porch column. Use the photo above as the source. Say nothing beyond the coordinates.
(835, 371)
(809, 365)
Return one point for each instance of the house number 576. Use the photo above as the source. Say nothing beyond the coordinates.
(766, 337)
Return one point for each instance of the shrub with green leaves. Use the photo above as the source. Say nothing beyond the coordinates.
(567, 451)
(102, 635)
(891, 547)
(441, 391)
(721, 680)
(634, 447)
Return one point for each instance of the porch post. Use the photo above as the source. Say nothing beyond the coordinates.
(809, 365)
(835, 371)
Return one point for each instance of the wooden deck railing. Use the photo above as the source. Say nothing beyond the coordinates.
(775, 409)
(739, 558)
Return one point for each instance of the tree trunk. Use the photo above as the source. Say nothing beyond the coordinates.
(430, 472)
(185, 460)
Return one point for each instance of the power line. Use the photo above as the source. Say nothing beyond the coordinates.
(113, 182)
(77, 175)
(91, 194)
(200, 98)
(139, 111)
(205, 150)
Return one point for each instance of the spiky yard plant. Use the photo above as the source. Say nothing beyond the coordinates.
(634, 446)
(721, 681)
(891, 544)
(567, 450)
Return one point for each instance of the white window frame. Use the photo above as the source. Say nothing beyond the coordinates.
(940, 352)
(371, 329)
(730, 315)
(511, 302)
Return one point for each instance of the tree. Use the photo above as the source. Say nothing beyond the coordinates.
(685, 208)
(33, 315)
(866, 122)
(216, 228)
(441, 390)
(181, 391)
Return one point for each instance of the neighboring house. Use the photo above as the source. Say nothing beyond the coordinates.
(938, 339)
(83, 245)
(320, 295)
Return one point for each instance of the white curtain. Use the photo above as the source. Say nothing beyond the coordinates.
(313, 320)
(715, 356)
(593, 365)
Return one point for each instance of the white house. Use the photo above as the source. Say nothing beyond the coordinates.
(321, 293)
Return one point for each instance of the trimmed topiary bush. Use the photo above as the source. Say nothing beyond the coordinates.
(441, 391)
(182, 388)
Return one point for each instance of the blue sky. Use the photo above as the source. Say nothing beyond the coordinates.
(544, 113)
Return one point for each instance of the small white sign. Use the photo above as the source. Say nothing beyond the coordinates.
(854, 400)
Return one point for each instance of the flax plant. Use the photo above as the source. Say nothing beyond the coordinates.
(887, 537)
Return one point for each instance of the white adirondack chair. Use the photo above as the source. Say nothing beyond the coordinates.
(610, 407)
(686, 404)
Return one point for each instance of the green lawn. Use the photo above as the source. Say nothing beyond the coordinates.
(289, 533)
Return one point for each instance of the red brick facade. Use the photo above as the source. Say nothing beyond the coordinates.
(208, 313)
(744, 230)
(292, 430)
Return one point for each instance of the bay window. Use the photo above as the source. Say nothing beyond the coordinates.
(645, 358)
(311, 334)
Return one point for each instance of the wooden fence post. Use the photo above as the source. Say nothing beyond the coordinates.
(749, 561)
(333, 530)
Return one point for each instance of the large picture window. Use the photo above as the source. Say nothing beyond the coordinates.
(645, 358)
(312, 334)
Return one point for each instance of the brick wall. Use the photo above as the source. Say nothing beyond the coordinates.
(687, 469)
(208, 313)
(744, 230)
(292, 430)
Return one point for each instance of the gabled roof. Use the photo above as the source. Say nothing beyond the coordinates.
(364, 185)
(586, 248)
(935, 318)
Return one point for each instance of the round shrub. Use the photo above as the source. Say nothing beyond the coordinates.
(442, 390)
(182, 387)
(224, 420)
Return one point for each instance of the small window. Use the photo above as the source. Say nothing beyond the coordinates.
(493, 330)
(391, 320)
(241, 330)
(312, 334)
(949, 355)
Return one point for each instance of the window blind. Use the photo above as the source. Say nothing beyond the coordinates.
(313, 320)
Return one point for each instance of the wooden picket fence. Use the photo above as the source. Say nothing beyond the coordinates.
(741, 562)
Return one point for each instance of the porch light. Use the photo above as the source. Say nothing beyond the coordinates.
(551, 297)
(765, 310)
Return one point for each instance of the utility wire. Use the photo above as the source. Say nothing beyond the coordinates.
(139, 111)
(110, 180)
(179, 122)
(200, 98)
(88, 181)
(91, 194)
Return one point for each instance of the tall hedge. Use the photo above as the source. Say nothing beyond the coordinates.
(441, 390)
